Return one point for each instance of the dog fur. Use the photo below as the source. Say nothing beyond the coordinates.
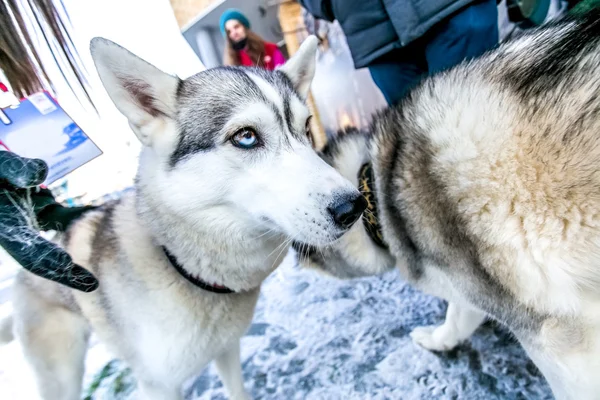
(227, 214)
(487, 178)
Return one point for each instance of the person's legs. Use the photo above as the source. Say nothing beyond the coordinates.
(396, 73)
(467, 34)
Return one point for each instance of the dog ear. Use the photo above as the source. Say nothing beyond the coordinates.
(301, 67)
(142, 93)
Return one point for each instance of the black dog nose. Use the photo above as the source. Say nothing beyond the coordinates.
(347, 211)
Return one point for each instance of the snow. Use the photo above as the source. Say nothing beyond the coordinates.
(315, 337)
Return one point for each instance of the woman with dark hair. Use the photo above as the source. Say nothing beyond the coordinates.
(244, 47)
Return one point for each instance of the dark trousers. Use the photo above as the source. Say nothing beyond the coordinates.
(467, 34)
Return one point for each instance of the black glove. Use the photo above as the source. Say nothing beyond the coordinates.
(18, 178)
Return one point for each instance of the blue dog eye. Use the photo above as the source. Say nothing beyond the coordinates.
(245, 138)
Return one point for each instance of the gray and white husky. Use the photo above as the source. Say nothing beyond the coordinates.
(227, 179)
(484, 189)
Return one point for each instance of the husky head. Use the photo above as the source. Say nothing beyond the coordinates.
(235, 140)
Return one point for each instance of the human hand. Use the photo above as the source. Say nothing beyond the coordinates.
(18, 178)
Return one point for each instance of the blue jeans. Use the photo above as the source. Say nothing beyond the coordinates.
(467, 34)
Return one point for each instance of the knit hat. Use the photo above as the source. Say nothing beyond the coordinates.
(232, 13)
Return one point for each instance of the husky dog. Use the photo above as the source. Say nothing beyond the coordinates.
(227, 179)
(484, 189)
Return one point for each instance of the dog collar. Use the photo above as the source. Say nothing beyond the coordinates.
(370, 218)
(193, 280)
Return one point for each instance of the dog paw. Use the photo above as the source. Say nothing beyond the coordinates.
(433, 338)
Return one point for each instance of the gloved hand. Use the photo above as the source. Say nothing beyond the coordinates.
(18, 178)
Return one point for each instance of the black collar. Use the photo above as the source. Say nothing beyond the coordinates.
(366, 183)
(193, 280)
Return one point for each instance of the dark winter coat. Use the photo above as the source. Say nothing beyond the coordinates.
(375, 27)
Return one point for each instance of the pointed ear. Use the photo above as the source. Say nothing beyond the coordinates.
(301, 67)
(142, 93)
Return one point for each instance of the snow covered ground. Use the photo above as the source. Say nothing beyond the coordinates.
(315, 337)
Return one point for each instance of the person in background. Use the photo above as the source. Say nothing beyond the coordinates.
(243, 47)
(25, 207)
(401, 41)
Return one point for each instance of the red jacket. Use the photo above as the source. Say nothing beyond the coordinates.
(273, 57)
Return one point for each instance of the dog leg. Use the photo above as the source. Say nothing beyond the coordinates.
(567, 352)
(461, 321)
(150, 391)
(229, 367)
(54, 342)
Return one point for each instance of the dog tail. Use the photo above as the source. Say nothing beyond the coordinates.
(6, 330)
